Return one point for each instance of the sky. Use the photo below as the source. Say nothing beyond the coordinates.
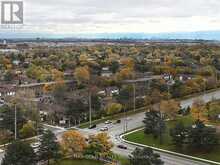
(119, 16)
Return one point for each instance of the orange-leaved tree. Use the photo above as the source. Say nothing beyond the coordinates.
(73, 143)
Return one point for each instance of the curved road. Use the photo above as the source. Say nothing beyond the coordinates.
(134, 122)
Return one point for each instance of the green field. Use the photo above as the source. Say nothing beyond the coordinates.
(140, 137)
(78, 162)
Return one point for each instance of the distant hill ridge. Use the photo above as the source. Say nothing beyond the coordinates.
(199, 35)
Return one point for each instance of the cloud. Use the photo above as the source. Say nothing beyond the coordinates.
(90, 16)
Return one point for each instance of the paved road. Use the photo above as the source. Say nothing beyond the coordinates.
(206, 97)
(135, 121)
(1, 155)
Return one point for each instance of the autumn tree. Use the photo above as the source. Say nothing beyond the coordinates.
(170, 108)
(83, 59)
(128, 62)
(99, 146)
(73, 143)
(156, 96)
(125, 73)
(57, 75)
(82, 74)
(5, 135)
(113, 108)
(28, 130)
(198, 109)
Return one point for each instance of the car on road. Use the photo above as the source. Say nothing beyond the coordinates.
(104, 129)
(2, 102)
(128, 118)
(108, 122)
(117, 121)
(92, 126)
(35, 145)
(122, 147)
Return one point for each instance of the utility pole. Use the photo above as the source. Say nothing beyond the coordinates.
(125, 121)
(204, 90)
(90, 110)
(15, 122)
(134, 93)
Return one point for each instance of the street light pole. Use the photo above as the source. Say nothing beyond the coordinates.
(134, 93)
(125, 121)
(90, 110)
(15, 122)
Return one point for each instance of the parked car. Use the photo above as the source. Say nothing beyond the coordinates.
(122, 147)
(92, 126)
(104, 129)
(108, 122)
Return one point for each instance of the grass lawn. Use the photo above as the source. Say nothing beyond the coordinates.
(78, 162)
(123, 160)
(140, 137)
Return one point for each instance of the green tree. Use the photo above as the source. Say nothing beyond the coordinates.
(179, 134)
(124, 96)
(145, 156)
(99, 146)
(114, 66)
(49, 147)
(96, 102)
(154, 124)
(202, 137)
(8, 115)
(75, 109)
(28, 130)
(59, 93)
(8, 76)
(19, 153)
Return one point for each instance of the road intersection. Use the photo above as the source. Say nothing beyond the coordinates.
(135, 121)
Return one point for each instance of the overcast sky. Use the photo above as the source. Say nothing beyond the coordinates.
(98, 16)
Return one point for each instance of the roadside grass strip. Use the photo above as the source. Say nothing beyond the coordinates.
(165, 151)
